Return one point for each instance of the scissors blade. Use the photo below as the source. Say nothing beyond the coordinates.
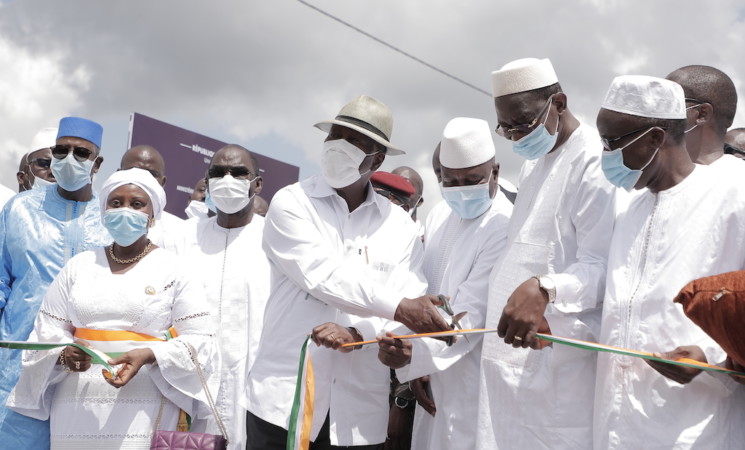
(456, 321)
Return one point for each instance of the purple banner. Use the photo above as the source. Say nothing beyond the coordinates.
(187, 155)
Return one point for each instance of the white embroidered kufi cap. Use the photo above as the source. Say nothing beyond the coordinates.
(45, 138)
(645, 96)
(466, 143)
(523, 75)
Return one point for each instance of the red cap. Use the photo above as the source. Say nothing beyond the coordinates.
(394, 182)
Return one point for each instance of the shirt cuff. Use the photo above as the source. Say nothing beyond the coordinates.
(566, 293)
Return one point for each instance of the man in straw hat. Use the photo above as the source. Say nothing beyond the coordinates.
(336, 248)
(685, 223)
(464, 237)
(551, 277)
(40, 230)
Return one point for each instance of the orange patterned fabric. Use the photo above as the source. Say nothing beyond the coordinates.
(717, 305)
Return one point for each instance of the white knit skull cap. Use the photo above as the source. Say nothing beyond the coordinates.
(523, 75)
(645, 96)
(466, 143)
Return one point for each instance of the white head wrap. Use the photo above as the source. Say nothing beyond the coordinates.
(466, 143)
(523, 75)
(45, 138)
(645, 96)
(140, 178)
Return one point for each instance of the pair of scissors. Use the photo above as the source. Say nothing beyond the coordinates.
(455, 318)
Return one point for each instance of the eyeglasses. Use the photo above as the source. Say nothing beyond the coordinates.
(608, 143)
(42, 163)
(395, 198)
(80, 153)
(732, 150)
(524, 128)
(236, 172)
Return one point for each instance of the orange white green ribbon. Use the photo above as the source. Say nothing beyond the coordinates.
(97, 357)
(301, 416)
(585, 345)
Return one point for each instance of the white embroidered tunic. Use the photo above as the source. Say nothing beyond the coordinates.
(85, 411)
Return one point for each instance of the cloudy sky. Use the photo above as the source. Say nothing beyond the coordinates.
(260, 73)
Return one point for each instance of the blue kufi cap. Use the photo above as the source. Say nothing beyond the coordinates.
(80, 128)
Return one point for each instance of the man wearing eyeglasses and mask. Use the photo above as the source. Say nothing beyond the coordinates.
(551, 277)
(35, 170)
(685, 223)
(40, 230)
(236, 278)
(464, 237)
(336, 249)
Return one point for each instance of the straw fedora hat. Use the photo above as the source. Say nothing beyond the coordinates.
(368, 116)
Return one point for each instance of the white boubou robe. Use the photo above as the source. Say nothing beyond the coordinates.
(560, 226)
(236, 277)
(662, 242)
(459, 255)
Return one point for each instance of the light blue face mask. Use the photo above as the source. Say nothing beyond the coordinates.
(125, 225)
(71, 174)
(539, 142)
(616, 171)
(208, 201)
(468, 202)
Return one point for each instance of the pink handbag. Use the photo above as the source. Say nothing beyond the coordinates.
(186, 440)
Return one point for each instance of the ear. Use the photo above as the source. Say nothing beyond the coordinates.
(97, 164)
(377, 161)
(20, 176)
(657, 138)
(163, 183)
(705, 113)
(560, 100)
(259, 185)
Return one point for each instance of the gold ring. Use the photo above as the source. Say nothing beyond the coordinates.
(331, 336)
(517, 338)
(77, 365)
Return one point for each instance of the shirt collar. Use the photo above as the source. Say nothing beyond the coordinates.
(319, 188)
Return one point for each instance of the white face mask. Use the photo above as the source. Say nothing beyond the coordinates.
(340, 163)
(196, 209)
(72, 174)
(229, 194)
(41, 183)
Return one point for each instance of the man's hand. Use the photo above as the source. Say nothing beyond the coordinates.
(420, 314)
(732, 365)
(77, 360)
(540, 344)
(523, 315)
(131, 362)
(679, 374)
(394, 353)
(419, 387)
(332, 335)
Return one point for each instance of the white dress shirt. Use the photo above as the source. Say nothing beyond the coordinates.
(560, 226)
(325, 261)
(662, 242)
(459, 255)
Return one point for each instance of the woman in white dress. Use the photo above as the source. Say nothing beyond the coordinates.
(120, 298)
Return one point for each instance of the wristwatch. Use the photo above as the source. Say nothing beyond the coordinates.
(549, 287)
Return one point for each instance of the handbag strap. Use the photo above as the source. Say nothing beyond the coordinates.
(195, 360)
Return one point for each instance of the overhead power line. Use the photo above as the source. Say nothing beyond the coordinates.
(394, 48)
